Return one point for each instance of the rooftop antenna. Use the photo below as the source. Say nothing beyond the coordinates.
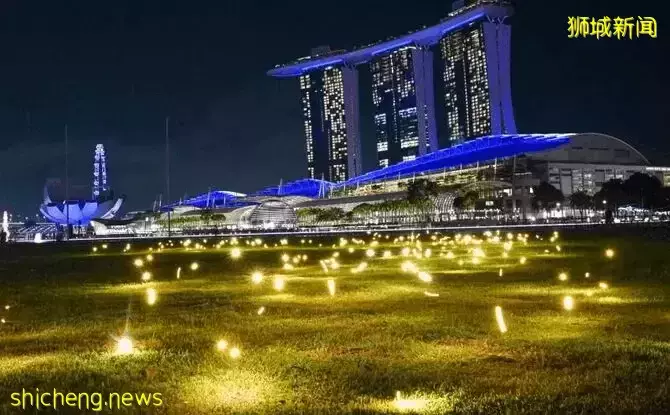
(167, 169)
(67, 191)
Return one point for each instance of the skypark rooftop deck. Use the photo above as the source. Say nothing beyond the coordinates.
(425, 37)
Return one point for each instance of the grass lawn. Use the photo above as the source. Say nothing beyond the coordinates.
(384, 330)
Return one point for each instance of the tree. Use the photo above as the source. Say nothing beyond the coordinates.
(546, 196)
(421, 190)
(643, 189)
(581, 201)
(612, 193)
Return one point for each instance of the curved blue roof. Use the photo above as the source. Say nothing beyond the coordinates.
(424, 37)
(213, 199)
(303, 187)
(477, 150)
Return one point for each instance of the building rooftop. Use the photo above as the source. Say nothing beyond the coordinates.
(423, 37)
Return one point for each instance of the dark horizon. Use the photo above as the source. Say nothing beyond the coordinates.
(113, 75)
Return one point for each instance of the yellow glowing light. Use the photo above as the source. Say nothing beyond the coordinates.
(279, 283)
(409, 404)
(7, 307)
(235, 353)
(334, 264)
(501, 321)
(260, 311)
(146, 276)
(221, 345)
(2, 320)
(609, 253)
(284, 241)
(256, 277)
(500, 272)
(235, 253)
(285, 258)
(405, 251)
(408, 266)
(429, 294)
(507, 245)
(587, 274)
(476, 260)
(603, 285)
(568, 303)
(138, 262)
(563, 276)
(95, 249)
(351, 250)
(505, 254)
(104, 246)
(288, 266)
(304, 257)
(194, 266)
(331, 286)
(178, 272)
(124, 345)
(151, 296)
(150, 257)
(387, 254)
(370, 253)
(427, 253)
(360, 268)
(522, 260)
(296, 259)
(558, 248)
(450, 255)
(424, 276)
(460, 262)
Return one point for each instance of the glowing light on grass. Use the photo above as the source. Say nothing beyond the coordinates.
(603, 285)
(450, 255)
(296, 259)
(522, 260)
(408, 266)
(360, 267)
(152, 295)
(285, 258)
(7, 307)
(370, 252)
(501, 321)
(178, 272)
(257, 277)
(221, 345)
(500, 272)
(284, 242)
(138, 262)
(235, 253)
(331, 286)
(260, 311)
(425, 277)
(558, 248)
(2, 320)
(609, 253)
(476, 260)
(351, 250)
(235, 353)
(288, 267)
(405, 251)
(568, 303)
(124, 345)
(150, 257)
(427, 253)
(104, 246)
(146, 276)
(429, 294)
(95, 249)
(563, 276)
(409, 404)
(194, 266)
(278, 283)
(587, 274)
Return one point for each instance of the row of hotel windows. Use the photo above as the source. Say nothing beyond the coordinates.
(589, 180)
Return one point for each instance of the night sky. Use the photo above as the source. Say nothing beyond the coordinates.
(113, 71)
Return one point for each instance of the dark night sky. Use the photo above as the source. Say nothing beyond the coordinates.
(113, 70)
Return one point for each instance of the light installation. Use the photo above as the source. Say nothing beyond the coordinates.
(99, 171)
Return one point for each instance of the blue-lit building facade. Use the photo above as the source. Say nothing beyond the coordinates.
(472, 44)
(476, 79)
(403, 120)
(330, 119)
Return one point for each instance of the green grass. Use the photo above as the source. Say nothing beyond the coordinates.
(348, 353)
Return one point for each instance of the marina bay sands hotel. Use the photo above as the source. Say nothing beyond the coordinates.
(472, 45)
